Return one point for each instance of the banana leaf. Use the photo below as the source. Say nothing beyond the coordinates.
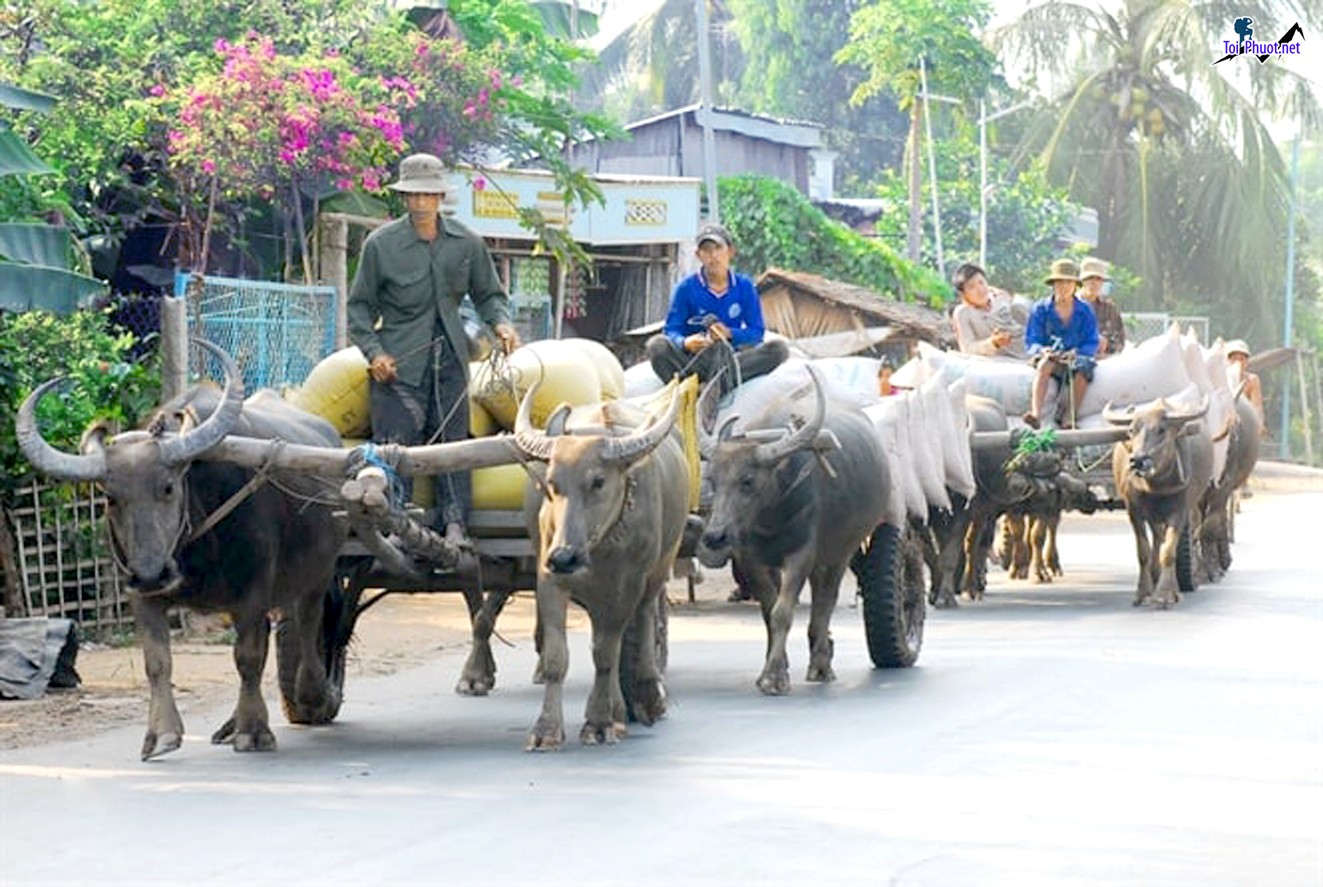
(38, 288)
(16, 158)
(25, 99)
(30, 243)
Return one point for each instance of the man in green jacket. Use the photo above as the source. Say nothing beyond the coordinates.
(404, 316)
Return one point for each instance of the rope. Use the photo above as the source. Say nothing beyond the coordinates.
(259, 477)
(369, 455)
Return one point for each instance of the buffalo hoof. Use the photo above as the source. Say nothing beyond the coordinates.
(261, 739)
(649, 703)
(1167, 601)
(774, 683)
(1043, 579)
(475, 685)
(154, 746)
(602, 734)
(479, 674)
(820, 673)
(545, 737)
(224, 734)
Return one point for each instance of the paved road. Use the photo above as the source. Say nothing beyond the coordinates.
(1049, 736)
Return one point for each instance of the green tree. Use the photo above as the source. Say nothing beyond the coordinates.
(1171, 151)
(776, 226)
(105, 58)
(37, 260)
(791, 44)
(1026, 215)
(887, 40)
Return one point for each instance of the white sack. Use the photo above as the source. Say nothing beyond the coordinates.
(1154, 368)
(891, 418)
(923, 452)
(952, 437)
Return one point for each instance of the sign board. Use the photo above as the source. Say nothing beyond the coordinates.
(638, 209)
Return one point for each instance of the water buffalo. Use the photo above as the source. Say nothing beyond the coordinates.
(276, 548)
(794, 509)
(607, 524)
(1244, 432)
(1161, 472)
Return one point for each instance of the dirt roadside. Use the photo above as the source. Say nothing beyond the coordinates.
(397, 633)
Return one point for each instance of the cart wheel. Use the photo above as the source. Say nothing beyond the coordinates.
(893, 601)
(339, 613)
(1186, 578)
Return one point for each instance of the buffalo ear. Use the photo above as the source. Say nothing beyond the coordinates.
(1190, 428)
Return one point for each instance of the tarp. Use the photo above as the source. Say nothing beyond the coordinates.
(36, 654)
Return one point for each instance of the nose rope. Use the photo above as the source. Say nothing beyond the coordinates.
(626, 504)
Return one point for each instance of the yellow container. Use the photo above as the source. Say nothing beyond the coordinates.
(566, 372)
(337, 390)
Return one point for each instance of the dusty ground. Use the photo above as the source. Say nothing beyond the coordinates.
(398, 632)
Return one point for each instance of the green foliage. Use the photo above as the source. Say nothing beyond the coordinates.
(1025, 214)
(793, 42)
(103, 383)
(1169, 148)
(775, 225)
(105, 59)
(886, 41)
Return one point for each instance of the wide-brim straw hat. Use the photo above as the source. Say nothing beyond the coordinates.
(1063, 269)
(1093, 268)
(422, 174)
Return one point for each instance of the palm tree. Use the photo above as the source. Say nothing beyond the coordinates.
(1170, 149)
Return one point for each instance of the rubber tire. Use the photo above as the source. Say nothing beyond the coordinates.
(339, 613)
(1186, 578)
(893, 608)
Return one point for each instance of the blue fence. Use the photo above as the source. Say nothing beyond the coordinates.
(276, 332)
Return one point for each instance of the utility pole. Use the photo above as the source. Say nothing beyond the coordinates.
(915, 227)
(1288, 321)
(705, 111)
(932, 168)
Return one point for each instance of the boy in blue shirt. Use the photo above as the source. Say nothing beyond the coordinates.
(714, 304)
(1062, 339)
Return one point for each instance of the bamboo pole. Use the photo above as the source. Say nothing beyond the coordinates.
(461, 455)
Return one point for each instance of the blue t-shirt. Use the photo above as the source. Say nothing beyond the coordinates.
(738, 308)
(1045, 329)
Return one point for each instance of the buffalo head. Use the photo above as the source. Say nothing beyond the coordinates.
(142, 472)
(588, 484)
(752, 475)
(1154, 432)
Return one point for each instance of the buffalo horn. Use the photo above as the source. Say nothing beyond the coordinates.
(626, 450)
(707, 418)
(189, 445)
(1117, 417)
(44, 457)
(771, 453)
(1189, 415)
(533, 443)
